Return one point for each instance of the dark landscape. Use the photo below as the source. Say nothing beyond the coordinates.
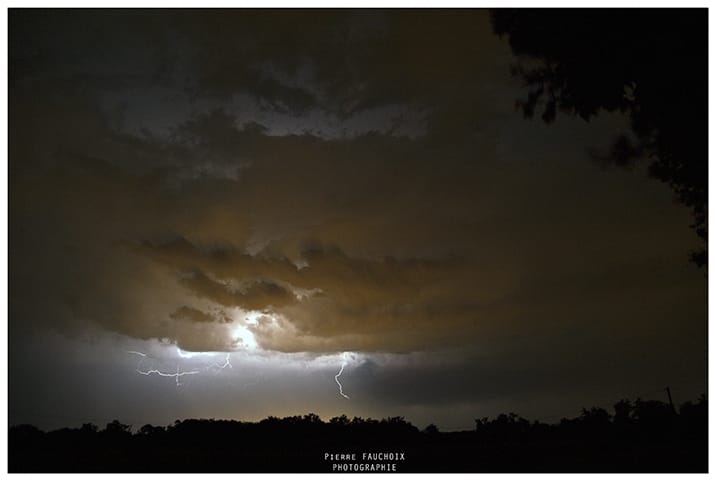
(641, 436)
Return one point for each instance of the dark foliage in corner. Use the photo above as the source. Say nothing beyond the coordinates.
(651, 64)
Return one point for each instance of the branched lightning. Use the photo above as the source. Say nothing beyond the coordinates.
(176, 375)
(340, 387)
(227, 363)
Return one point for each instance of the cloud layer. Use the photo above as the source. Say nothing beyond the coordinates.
(164, 182)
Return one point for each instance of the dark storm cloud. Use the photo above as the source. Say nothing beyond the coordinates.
(421, 255)
(375, 302)
(342, 61)
(257, 295)
(194, 315)
(293, 61)
(480, 230)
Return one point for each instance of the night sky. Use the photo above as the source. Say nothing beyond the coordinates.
(261, 200)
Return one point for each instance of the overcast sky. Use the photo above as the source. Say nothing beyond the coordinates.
(259, 198)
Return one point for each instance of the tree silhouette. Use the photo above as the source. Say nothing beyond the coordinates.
(117, 427)
(431, 430)
(643, 436)
(651, 65)
(622, 412)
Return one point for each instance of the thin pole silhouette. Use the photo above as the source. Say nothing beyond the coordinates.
(671, 402)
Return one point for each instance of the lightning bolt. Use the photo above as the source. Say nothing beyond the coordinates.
(340, 387)
(176, 375)
(227, 363)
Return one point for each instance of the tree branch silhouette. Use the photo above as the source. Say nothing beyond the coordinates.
(651, 65)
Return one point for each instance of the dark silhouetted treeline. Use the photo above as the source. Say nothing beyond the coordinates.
(641, 436)
(649, 64)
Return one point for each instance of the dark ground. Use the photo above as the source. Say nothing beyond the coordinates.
(642, 436)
